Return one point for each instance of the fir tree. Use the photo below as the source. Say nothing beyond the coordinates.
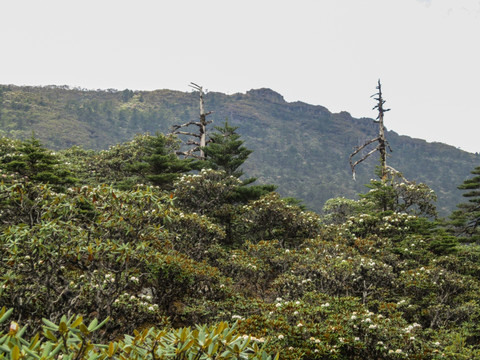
(465, 222)
(38, 164)
(226, 151)
(164, 167)
(157, 164)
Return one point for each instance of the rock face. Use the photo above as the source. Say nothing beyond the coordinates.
(301, 148)
(265, 94)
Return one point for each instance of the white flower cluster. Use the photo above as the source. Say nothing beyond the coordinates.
(411, 328)
(145, 297)
(253, 338)
(142, 301)
(109, 278)
(398, 351)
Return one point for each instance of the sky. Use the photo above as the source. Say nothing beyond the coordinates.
(322, 52)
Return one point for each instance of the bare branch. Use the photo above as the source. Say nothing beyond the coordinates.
(382, 142)
(359, 148)
(197, 123)
(193, 142)
(388, 145)
(202, 128)
(195, 86)
(186, 133)
(190, 153)
(362, 159)
(175, 127)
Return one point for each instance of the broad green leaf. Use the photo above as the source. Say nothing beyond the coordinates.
(56, 350)
(92, 325)
(34, 341)
(77, 322)
(5, 314)
(32, 353)
(101, 324)
(62, 327)
(49, 335)
(50, 324)
(84, 329)
(15, 354)
(4, 348)
(47, 349)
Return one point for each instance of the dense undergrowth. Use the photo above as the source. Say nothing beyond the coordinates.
(198, 267)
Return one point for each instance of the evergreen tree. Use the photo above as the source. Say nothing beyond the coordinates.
(38, 164)
(226, 151)
(146, 159)
(465, 222)
(163, 166)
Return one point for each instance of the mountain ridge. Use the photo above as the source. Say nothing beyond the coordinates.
(302, 148)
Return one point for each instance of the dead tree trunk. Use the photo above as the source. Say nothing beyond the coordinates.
(199, 140)
(381, 140)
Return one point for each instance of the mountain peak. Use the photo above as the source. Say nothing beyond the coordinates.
(266, 94)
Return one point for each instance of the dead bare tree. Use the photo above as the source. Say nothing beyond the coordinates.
(199, 138)
(380, 139)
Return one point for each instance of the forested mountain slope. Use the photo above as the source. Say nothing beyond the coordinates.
(302, 148)
(125, 253)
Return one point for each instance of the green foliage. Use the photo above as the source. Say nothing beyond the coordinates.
(288, 138)
(32, 161)
(465, 222)
(146, 159)
(171, 266)
(226, 151)
(103, 251)
(399, 195)
(206, 192)
(161, 166)
(317, 326)
(72, 339)
(216, 194)
(270, 218)
(339, 210)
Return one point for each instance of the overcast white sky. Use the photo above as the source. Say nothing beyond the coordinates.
(323, 52)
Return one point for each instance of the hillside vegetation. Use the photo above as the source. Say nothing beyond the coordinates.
(301, 148)
(126, 253)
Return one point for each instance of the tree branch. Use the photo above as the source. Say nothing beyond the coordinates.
(186, 133)
(359, 148)
(362, 159)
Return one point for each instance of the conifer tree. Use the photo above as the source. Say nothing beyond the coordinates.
(36, 163)
(164, 167)
(157, 164)
(465, 222)
(226, 151)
